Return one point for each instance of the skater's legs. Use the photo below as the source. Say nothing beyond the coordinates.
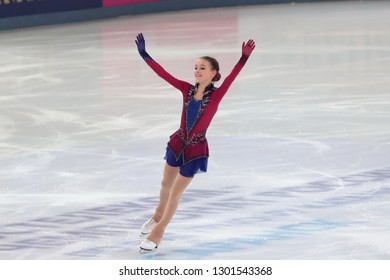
(169, 177)
(180, 184)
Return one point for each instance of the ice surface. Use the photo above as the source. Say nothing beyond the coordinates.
(300, 146)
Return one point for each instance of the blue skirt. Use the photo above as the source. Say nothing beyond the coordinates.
(190, 168)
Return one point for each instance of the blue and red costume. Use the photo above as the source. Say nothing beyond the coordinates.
(188, 144)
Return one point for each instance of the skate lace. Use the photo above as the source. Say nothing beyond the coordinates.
(151, 222)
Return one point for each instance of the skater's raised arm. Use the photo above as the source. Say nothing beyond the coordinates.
(157, 68)
(247, 49)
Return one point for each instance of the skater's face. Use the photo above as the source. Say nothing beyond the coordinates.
(204, 72)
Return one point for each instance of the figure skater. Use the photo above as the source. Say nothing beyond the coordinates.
(187, 150)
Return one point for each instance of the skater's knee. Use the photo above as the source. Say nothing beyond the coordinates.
(166, 184)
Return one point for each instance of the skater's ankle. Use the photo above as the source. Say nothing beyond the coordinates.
(156, 237)
(156, 218)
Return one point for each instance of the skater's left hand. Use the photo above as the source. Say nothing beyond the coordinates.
(248, 47)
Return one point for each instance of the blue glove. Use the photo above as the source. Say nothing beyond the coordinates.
(140, 42)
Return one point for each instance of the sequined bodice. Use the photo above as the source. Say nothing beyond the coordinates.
(192, 113)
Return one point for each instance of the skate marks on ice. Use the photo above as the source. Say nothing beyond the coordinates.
(320, 219)
(222, 224)
(91, 233)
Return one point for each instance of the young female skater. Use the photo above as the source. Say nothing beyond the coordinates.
(187, 150)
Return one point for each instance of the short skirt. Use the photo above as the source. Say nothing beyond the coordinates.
(190, 168)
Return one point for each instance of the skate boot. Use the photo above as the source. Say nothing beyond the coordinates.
(147, 246)
(148, 226)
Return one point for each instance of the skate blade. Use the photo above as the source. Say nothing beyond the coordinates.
(143, 251)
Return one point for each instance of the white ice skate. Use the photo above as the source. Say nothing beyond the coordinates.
(148, 226)
(147, 246)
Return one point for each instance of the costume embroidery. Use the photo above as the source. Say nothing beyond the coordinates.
(194, 140)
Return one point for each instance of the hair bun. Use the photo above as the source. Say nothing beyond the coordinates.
(217, 77)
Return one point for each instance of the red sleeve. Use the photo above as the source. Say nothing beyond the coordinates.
(232, 76)
(160, 71)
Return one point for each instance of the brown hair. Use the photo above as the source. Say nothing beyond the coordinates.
(214, 65)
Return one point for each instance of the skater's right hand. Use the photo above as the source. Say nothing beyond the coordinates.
(140, 42)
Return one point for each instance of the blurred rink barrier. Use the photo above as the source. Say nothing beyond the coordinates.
(27, 13)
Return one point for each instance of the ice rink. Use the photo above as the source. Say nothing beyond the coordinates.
(299, 162)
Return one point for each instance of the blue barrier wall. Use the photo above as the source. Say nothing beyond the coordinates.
(9, 8)
(27, 13)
